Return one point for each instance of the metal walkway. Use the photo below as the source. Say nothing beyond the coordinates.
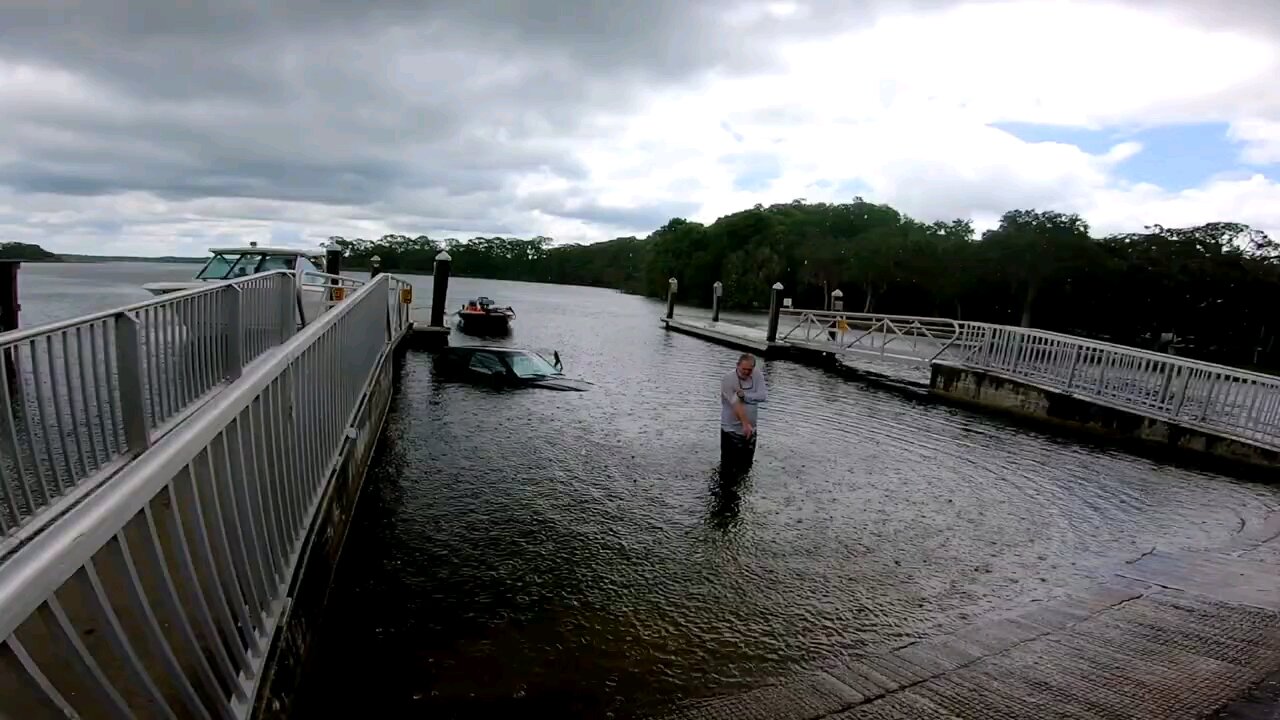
(1218, 399)
(158, 594)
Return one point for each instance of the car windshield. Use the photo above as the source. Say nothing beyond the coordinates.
(529, 365)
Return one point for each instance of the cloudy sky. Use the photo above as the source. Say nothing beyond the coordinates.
(162, 127)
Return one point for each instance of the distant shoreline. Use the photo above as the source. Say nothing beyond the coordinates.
(73, 258)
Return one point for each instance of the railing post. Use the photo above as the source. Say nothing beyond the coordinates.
(289, 289)
(232, 321)
(672, 283)
(1181, 391)
(129, 365)
(775, 308)
(1075, 360)
(716, 291)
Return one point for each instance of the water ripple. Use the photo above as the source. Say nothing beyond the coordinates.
(576, 553)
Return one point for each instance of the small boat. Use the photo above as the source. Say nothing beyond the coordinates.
(481, 317)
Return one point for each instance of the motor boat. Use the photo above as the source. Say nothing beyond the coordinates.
(481, 317)
(230, 263)
(505, 367)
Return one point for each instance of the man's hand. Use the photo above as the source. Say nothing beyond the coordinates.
(741, 395)
(747, 430)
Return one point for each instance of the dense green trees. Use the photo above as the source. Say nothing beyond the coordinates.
(1213, 286)
(26, 251)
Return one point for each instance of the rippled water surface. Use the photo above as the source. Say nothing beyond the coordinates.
(575, 553)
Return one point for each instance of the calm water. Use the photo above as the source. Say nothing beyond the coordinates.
(575, 553)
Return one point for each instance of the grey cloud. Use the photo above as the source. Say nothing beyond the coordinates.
(373, 113)
(578, 205)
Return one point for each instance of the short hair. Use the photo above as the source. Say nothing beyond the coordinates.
(747, 357)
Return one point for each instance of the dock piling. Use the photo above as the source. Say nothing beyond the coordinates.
(671, 297)
(716, 291)
(9, 305)
(774, 310)
(440, 288)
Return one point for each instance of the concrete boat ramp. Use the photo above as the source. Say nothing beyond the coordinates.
(1172, 634)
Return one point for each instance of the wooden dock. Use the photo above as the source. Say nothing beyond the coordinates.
(1171, 634)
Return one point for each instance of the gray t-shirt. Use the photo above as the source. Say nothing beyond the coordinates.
(753, 393)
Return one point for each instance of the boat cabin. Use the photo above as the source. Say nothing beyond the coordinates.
(231, 263)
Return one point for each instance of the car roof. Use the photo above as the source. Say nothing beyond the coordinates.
(491, 348)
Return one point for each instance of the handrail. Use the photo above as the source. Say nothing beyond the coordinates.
(79, 397)
(875, 333)
(12, 336)
(1104, 345)
(190, 551)
(1225, 400)
(328, 279)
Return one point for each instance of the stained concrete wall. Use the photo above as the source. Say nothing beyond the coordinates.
(321, 549)
(992, 391)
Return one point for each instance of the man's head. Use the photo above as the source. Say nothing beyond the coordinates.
(746, 364)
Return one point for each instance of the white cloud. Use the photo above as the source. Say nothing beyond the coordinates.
(901, 112)
(1261, 139)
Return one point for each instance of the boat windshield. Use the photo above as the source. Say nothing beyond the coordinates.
(233, 265)
(529, 365)
(217, 267)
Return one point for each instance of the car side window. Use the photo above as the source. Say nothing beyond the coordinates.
(486, 363)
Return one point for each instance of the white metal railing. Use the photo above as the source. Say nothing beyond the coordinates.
(79, 397)
(181, 565)
(898, 337)
(322, 291)
(1213, 397)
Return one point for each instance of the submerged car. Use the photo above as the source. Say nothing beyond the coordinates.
(505, 367)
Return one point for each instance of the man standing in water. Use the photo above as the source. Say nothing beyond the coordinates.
(741, 391)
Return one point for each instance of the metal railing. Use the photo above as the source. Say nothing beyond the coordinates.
(79, 397)
(1217, 398)
(182, 564)
(919, 340)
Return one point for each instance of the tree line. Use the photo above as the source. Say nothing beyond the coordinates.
(13, 250)
(1213, 287)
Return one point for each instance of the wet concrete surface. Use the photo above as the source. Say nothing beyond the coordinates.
(1173, 635)
(576, 553)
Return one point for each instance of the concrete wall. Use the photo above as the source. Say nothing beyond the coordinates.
(321, 549)
(995, 392)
